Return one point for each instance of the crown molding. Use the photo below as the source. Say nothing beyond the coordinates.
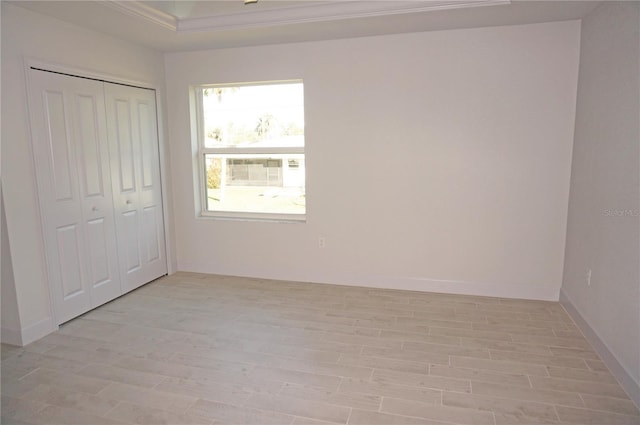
(141, 10)
(323, 12)
(333, 11)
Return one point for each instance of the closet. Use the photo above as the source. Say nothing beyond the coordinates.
(98, 174)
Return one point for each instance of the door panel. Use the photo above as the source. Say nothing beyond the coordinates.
(98, 248)
(58, 145)
(132, 242)
(97, 201)
(133, 142)
(98, 173)
(152, 244)
(68, 241)
(125, 151)
(90, 155)
(74, 184)
(149, 146)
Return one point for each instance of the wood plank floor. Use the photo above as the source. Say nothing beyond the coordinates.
(203, 349)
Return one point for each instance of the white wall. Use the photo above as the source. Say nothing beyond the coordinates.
(436, 161)
(10, 318)
(25, 33)
(604, 226)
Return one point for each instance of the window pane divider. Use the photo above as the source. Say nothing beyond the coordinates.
(253, 151)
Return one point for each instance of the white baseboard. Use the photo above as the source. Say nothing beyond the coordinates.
(29, 334)
(38, 330)
(11, 336)
(487, 289)
(630, 386)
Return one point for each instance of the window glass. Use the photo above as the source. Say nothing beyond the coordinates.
(251, 150)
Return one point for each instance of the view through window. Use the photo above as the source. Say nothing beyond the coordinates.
(252, 149)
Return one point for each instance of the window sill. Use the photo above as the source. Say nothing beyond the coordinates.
(254, 217)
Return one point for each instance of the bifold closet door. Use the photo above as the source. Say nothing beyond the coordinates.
(69, 135)
(135, 174)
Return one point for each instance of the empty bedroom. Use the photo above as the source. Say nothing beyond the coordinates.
(320, 212)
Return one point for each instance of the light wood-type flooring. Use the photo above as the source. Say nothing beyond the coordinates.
(202, 349)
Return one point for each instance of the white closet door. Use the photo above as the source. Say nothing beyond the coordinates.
(74, 183)
(135, 173)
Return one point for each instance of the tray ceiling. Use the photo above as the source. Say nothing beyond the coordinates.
(191, 25)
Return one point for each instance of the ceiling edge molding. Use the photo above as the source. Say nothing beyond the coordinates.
(324, 12)
(141, 10)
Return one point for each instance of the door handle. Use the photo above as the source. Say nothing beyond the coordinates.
(94, 208)
(128, 202)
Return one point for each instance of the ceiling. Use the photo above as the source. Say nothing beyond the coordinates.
(192, 25)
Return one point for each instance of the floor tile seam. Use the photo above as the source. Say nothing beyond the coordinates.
(439, 344)
(165, 376)
(470, 410)
(45, 369)
(285, 382)
(153, 389)
(165, 380)
(576, 380)
(318, 373)
(239, 386)
(439, 421)
(417, 363)
(382, 396)
(604, 410)
(22, 398)
(175, 354)
(370, 375)
(282, 387)
(495, 411)
(510, 399)
(350, 413)
(532, 400)
(425, 375)
(457, 347)
(551, 356)
(582, 398)
(248, 406)
(513, 362)
(23, 374)
(154, 409)
(555, 347)
(524, 363)
(365, 346)
(241, 405)
(426, 334)
(118, 403)
(409, 416)
(40, 411)
(470, 330)
(514, 330)
(93, 379)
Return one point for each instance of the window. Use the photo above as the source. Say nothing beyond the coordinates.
(251, 150)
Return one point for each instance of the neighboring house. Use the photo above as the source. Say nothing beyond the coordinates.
(283, 170)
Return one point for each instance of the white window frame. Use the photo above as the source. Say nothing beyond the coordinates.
(235, 152)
